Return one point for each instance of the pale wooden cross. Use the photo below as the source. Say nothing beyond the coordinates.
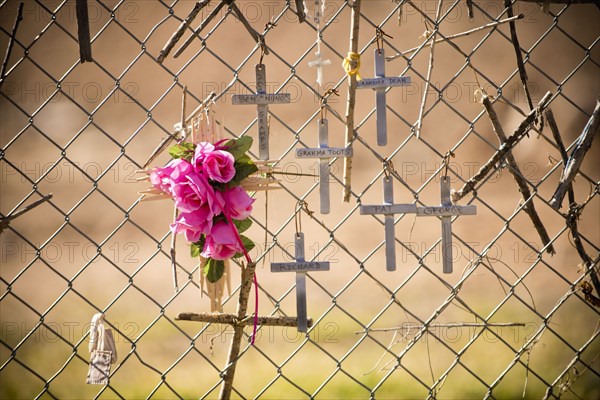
(380, 83)
(446, 211)
(262, 99)
(324, 153)
(388, 209)
(319, 62)
(300, 267)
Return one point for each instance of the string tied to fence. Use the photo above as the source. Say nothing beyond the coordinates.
(446, 161)
(380, 37)
(351, 65)
(388, 169)
(301, 205)
(324, 98)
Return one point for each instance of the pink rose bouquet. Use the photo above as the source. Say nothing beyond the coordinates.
(204, 182)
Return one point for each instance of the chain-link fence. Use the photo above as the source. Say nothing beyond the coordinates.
(512, 319)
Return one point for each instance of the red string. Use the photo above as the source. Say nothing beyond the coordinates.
(254, 280)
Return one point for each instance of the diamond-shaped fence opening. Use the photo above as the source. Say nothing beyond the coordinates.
(518, 316)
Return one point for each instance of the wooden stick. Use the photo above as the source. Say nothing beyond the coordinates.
(203, 25)
(515, 41)
(173, 251)
(470, 8)
(6, 220)
(258, 38)
(515, 171)
(458, 35)
(510, 142)
(231, 319)
(181, 30)
(561, 146)
(572, 166)
(238, 331)
(11, 42)
(429, 70)
(83, 31)
(351, 101)
(300, 11)
(449, 325)
(562, 1)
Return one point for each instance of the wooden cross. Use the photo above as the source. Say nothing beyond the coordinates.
(262, 99)
(388, 208)
(238, 321)
(380, 83)
(300, 267)
(446, 211)
(324, 153)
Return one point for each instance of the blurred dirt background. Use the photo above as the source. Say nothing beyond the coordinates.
(95, 247)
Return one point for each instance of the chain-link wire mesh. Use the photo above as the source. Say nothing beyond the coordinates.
(511, 320)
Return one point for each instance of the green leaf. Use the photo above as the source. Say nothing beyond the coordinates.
(196, 248)
(213, 270)
(243, 225)
(244, 167)
(248, 245)
(239, 147)
(183, 150)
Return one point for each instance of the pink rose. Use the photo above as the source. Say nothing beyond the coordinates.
(238, 204)
(218, 166)
(193, 224)
(196, 192)
(202, 150)
(221, 244)
(174, 172)
(213, 198)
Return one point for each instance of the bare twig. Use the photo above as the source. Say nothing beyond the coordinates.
(515, 41)
(231, 319)
(4, 222)
(458, 35)
(11, 42)
(588, 263)
(181, 30)
(505, 147)
(351, 101)
(238, 331)
(198, 30)
(515, 171)
(572, 166)
(429, 70)
(83, 31)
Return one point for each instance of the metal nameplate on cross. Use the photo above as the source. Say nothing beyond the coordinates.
(380, 83)
(446, 211)
(388, 209)
(300, 267)
(324, 153)
(262, 99)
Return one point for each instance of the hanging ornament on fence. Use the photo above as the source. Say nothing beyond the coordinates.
(319, 62)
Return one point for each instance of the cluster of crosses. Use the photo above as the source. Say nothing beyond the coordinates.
(380, 84)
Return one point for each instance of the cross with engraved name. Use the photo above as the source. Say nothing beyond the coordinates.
(380, 83)
(324, 153)
(388, 209)
(300, 267)
(446, 211)
(262, 99)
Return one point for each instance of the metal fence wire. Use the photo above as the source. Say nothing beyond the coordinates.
(512, 320)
